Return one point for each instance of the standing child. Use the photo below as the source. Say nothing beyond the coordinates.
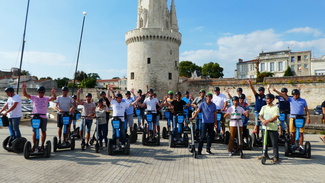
(101, 112)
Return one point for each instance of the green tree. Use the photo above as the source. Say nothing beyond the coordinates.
(213, 70)
(262, 75)
(93, 75)
(88, 83)
(62, 82)
(24, 73)
(186, 68)
(116, 78)
(80, 75)
(45, 78)
(288, 72)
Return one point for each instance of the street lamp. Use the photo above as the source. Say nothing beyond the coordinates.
(82, 30)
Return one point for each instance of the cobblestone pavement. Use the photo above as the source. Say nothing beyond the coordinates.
(158, 164)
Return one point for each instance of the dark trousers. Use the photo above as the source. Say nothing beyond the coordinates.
(206, 127)
(273, 135)
(102, 134)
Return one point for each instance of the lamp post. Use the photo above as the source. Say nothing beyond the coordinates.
(23, 47)
(82, 30)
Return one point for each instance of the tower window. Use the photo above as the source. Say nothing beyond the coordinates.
(132, 75)
(148, 60)
(175, 63)
(170, 76)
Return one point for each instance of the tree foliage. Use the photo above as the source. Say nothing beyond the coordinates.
(262, 75)
(93, 75)
(88, 83)
(80, 75)
(62, 82)
(24, 73)
(288, 72)
(186, 68)
(213, 70)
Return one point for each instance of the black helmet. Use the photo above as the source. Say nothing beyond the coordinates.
(10, 89)
(100, 100)
(119, 95)
(284, 90)
(150, 91)
(216, 88)
(74, 96)
(187, 92)
(102, 93)
(202, 91)
(269, 96)
(295, 92)
(64, 88)
(128, 93)
(89, 95)
(239, 90)
(139, 91)
(235, 98)
(178, 93)
(41, 89)
(242, 96)
(261, 89)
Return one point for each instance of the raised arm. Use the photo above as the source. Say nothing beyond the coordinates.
(78, 97)
(53, 95)
(281, 94)
(24, 90)
(251, 86)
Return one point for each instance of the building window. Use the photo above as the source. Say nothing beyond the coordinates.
(306, 66)
(292, 59)
(251, 67)
(148, 60)
(271, 66)
(175, 63)
(170, 76)
(262, 66)
(299, 58)
(293, 68)
(280, 66)
(132, 75)
(305, 57)
(299, 67)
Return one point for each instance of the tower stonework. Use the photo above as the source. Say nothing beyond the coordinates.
(153, 48)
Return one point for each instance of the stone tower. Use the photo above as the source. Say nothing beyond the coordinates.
(153, 48)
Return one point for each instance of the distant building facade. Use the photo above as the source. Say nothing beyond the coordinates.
(318, 66)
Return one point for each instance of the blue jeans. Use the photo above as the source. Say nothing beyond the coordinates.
(102, 134)
(175, 123)
(14, 124)
(88, 123)
(206, 127)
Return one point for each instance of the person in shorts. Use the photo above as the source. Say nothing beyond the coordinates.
(40, 104)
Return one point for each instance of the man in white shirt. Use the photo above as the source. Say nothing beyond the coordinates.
(221, 102)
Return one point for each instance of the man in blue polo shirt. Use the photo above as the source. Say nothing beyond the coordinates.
(209, 111)
(298, 106)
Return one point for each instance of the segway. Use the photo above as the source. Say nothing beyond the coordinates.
(166, 131)
(265, 155)
(238, 144)
(299, 122)
(10, 144)
(221, 138)
(285, 137)
(114, 144)
(139, 129)
(66, 144)
(186, 114)
(256, 140)
(191, 146)
(148, 137)
(76, 132)
(134, 134)
(248, 144)
(95, 137)
(181, 139)
(36, 122)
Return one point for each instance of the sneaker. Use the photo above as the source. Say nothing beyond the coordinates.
(181, 139)
(59, 141)
(301, 148)
(245, 141)
(208, 152)
(293, 147)
(87, 145)
(229, 154)
(275, 160)
(42, 149)
(260, 157)
(174, 139)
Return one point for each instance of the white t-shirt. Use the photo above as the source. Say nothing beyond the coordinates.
(219, 100)
(16, 113)
(151, 104)
(235, 113)
(119, 108)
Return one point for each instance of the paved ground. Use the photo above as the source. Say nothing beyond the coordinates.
(158, 164)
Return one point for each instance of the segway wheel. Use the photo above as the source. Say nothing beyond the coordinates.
(287, 148)
(254, 139)
(55, 144)
(171, 141)
(5, 144)
(135, 128)
(190, 148)
(308, 149)
(164, 133)
(127, 147)
(185, 140)
(27, 148)
(227, 137)
(110, 147)
(249, 142)
(97, 148)
(91, 141)
(133, 136)
(241, 154)
(158, 140)
(263, 160)
(194, 154)
(144, 137)
(73, 144)
(18, 145)
(48, 149)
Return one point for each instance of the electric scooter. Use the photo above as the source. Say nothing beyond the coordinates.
(36, 122)
(265, 149)
(191, 146)
(221, 138)
(181, 138)
(299, 122)
(285, 136)
(76, 132)
(148, 137)
(66, 143)
(9, 144)
(114, 144)
(238, 146)
(247, 145)
(166, 131)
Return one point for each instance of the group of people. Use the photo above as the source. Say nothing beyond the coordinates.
(209, 104)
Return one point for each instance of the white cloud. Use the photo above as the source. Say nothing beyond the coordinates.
(306, 30)
(199, 28)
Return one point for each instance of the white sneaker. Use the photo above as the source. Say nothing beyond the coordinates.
(229, 154)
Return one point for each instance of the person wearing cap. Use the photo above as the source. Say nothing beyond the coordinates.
(106, 102)
(101, 112)
(141, 100)
(259, 102)
(269, 116)
(235, 112)
(239, 92)
(119, 108)
(129, 111)
(158, 107)
(170, 98)
(245, 106)
(73, 115)
(298, 108)
(12, 109)
(89, 111)
(209, 120)
(64, 104)
(221, 102)
(188, 99)
(195, 104)
(40, 104)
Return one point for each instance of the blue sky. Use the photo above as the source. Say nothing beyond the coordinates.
(212, 31)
